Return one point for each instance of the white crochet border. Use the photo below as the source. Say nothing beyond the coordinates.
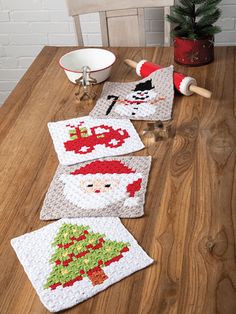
(59, 135)
(34, 251)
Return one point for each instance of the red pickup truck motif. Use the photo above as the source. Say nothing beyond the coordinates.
(83, 139)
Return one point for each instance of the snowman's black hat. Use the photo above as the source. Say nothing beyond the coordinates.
(144, 86)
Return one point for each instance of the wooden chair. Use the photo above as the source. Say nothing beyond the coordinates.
(122, 21)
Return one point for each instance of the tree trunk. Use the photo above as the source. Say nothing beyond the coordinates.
(97, 276)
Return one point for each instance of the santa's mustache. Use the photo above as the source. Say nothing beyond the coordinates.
(93, 200)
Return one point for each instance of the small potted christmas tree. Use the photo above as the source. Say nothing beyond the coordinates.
(194, 31)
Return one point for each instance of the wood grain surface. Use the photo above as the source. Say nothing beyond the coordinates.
(189, 227)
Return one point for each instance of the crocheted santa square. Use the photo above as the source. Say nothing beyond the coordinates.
(71, 260)
(82, 139)
(113, 186)
(148, 99)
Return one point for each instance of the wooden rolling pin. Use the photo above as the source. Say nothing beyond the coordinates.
(186, 85)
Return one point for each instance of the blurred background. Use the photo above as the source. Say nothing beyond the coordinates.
(28, 25)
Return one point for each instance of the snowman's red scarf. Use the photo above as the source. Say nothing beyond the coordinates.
(127, 102)
(131, 102)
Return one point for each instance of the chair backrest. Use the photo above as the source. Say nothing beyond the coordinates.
(122, 21)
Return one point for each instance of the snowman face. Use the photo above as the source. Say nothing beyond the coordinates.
(137, 109)
(142, 95)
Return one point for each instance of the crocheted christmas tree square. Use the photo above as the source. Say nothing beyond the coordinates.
(148, 99)
(82, 139)
(113, 186)
(71, 260)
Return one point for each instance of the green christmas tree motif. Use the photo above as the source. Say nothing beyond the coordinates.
(81, 253)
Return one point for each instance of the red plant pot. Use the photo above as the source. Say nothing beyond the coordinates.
(194, 52)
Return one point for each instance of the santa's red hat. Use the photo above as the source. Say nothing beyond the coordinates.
(104, 166)
(112, 169)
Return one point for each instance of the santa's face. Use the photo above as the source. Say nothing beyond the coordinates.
(132, 110)
(93, 192)
(98, 185)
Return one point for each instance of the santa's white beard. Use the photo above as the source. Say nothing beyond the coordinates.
(93, 200)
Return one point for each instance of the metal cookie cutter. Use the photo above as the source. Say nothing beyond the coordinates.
(158, 131)
(86, 82)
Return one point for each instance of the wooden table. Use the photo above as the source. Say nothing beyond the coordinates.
(190, 224)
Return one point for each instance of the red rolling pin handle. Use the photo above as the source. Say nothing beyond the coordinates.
(144, 68)
(186, 85)
(181, 82)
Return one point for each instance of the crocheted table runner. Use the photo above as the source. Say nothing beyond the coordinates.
(85, 138)
(112, 186)
(148, 99)
(71, 260)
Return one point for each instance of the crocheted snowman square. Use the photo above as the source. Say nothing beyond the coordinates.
(82, 139)
(113, 186)
(148, 99)
(71, 260)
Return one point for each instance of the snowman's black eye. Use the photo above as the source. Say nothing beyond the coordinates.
(107, 185)
(90, 185)
(133, 113)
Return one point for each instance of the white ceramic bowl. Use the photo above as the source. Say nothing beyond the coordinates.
(100, 62)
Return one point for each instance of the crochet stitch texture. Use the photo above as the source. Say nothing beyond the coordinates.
(148, 99)
(42, 253)
(113, 186)
(83, 139)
